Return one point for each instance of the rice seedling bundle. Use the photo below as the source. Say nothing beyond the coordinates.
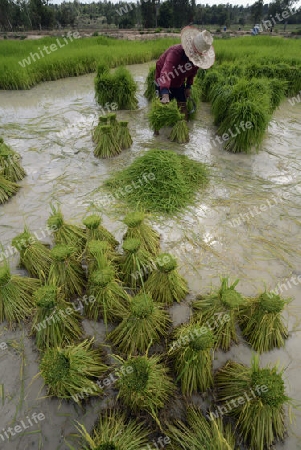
(143, 324)
(34, 256)
(10, 167)
(260, 417)
(220, 95)
(16, 293)
(211, 78)
(133, 262)
(114, 432)
(100, 256)
(72, 370)
(107, 145)
(277, 88)
(220, 310)
(193, 357)
(7, 189)
(66, 271)
(165, 284)
(95, 231)
(111, 300)
(180, 132)
(168, 181)
(138, 229)
(262, 323)
(164, 115)
(55, 322)
(102, 121)
(146, 386)
(123, 135)
(150, 92)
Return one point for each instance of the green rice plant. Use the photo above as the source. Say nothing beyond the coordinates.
(164, 115)
(211, 78)
(72, 370)
(192, 354)
(102, 121)
(260, 419)
(123, 136)
(111, 300)
(10, 167)
(165, 284)
(262, 324)
(34, 256)
(55, 322)
(220, 309)
(133, 262)
(168, 181)
(114, 432)
(108, 145)
(66, 234)
(150, 93)
(145, 384)
(143, 324)
(220, 99)
(201, 434)
(7, 189)
(16, 293)
(180, 132)
(66, 271)
(138, 229)
(99, 255)
(95, 231)
(277, 88)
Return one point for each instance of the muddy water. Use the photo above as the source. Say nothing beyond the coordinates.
(246, 225)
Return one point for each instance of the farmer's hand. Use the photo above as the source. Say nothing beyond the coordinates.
(187, 92)
(165, 98)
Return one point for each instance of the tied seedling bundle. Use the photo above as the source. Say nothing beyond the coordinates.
(133, 263)
(66, 271)
(102, 121)
(100, 256)
(72, 371)
(138, 229)
(192, 353)
(221, 309)
(260, 417)
(180, 132)
(165, 284)
(16, 293)
(143, 324)
(164, 115)
(55, 321)
(95, 231)
(108, 145)
(10, 167)
(261, 322)
(124, 138)
(150, 92)
(7, 189)
(173, 185)
(114, 432)
(111, 300)
(34, 256)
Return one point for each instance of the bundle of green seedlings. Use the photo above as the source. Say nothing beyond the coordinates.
(95, 231)
(192, 354)
(168, 181)
(99, 255)
(107, 145)
(165, 284)
(261, 322)
(180, 132)
(220, 310)
(138, 229)
(34, 256)
(150, 92)
(111, 300)
(102, 121)
(259, 398)
(72, 371)
(64, 233)
(164, 115)
(113, 432)
(7, 189)
(16, 293)
(124, 138)
(10, 167)
(143, 324)
(55, 322)
(146, 386)
(133, 262)
(201, 434)
(66, 271)
(118, 87)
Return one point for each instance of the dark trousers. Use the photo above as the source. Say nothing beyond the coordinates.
(177, 93)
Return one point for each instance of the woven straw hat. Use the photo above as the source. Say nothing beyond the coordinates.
(198, 46)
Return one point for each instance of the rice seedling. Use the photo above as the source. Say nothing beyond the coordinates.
(150, 93)
(168, 181)
(180, 132)
(261, 322)
(134, 259)
(102, 121)
(66, 271)
(7, 189)
(212, 78)
(277, 88)
(146, 386)
(201, 434)
(260, 415)
(108, 145)
(222, 308)
(95, 231)
(111, 300)
(114, 432)
(55, 322)
(164, 115)
(193, 358)
(34, 256)
(99, 255)
(10, 166)
(138, 229)
(123, 136)
(165, 284)
(16, 293)
(72, 370)
(143, 324)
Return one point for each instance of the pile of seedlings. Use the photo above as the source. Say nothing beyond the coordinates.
(169, 115)
(11, 172)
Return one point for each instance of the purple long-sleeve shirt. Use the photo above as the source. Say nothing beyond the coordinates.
(173, 68)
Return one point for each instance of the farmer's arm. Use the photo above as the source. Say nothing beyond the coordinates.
(167, 74)
(190, 79)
